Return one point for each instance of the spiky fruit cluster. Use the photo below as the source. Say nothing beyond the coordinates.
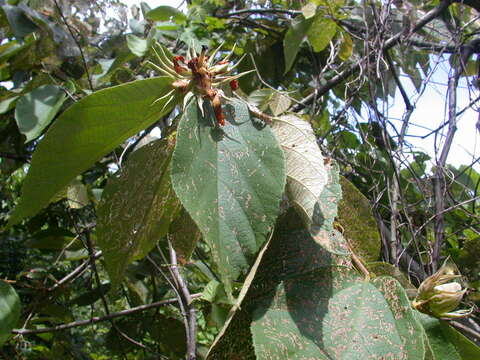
(198, 75)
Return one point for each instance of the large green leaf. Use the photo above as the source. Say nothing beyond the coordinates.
(308, 303)
(230, 179)
(355, 322)
(292, 257)
(321, 32)
(9, 310)
(446, 342)
(293, 40)
(137, 207)
(36, 109)
(83, 134)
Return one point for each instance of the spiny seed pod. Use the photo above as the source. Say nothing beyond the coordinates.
(199, 76)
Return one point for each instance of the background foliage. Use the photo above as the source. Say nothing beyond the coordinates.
(136, 228)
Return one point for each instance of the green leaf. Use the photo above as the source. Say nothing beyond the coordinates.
(407, 326)
(261, 98)
(379, 268)
(446, 342)
(214, 292)
(360, 227)
(53, 239)
(9, 310)
(325, 212)
(7, 104)
(91, 296)
(165, 13)
(145, 8)
(357, 321)
(293, 40)
(137, 208)
(321, 32)
(308, 303)
(20, 24)
(77, 196)
(291, 259)
(36, 109)
(137, 45)
(84, 133)
(346, 47)
(169, 335)
(184, 235)
(348, 139)
(230, 180)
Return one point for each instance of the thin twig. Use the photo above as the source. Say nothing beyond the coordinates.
(97, 319)
(74, 274)
(192, 317)
(453, 207)
(391, 42)
(82, 55)
(465, 329)
(260, 11)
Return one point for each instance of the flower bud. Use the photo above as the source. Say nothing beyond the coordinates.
(439, 294)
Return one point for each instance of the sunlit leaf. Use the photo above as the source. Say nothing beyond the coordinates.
(137, 45)
(309, 10)
(230, 179)
(325, 211)
(346, 47)
(137, 208)
(321, 32)
(84, 133)
(261, 98)
(36, 109)
(279, 103)
(77, 196)
(306, 175)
